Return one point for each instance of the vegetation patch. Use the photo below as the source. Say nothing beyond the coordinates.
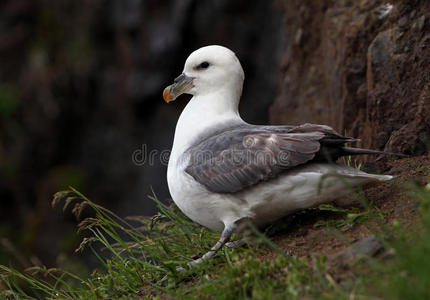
(138, 258)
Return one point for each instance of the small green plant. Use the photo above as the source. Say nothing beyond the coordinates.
(352, 217)
(347, 160)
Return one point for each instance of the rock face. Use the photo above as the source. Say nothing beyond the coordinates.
(367, 247)
(362, 67)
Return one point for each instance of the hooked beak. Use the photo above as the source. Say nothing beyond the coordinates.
(182, 84)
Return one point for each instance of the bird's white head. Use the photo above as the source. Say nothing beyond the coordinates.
(211, 69)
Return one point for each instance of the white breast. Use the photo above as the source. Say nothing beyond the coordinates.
(196, 202)
(208, 209)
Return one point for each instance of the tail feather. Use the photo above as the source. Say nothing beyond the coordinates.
(355, 173)
(373, 177)
(360, 151)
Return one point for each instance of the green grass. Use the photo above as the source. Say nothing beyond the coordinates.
(408, 275)
(135, 254)
(348, 160)
(352, 216)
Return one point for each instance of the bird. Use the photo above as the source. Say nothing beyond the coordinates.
(223, 171)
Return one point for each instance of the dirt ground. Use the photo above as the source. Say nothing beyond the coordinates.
(303, 239)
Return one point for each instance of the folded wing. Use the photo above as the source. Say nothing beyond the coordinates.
(242, 156)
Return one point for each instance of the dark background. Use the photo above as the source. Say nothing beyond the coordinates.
(81, 84)
(81, 91)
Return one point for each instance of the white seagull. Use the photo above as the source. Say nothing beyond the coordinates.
(223, 170)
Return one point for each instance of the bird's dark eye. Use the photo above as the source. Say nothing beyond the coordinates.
(204, 65)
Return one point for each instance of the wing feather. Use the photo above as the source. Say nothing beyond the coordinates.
(231, 160)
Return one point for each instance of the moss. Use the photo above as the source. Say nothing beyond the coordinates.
(9, 99)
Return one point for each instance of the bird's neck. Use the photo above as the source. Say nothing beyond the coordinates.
(202, 113)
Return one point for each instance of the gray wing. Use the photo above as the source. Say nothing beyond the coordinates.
(238, 157)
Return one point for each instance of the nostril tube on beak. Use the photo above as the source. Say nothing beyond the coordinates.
(179, 78)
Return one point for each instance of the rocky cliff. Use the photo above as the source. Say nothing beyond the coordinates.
(362, 67)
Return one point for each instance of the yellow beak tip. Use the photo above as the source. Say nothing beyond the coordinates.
(166, 95)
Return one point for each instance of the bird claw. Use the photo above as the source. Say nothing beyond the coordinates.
(235, 244)
(225, 236)
(180, 269)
